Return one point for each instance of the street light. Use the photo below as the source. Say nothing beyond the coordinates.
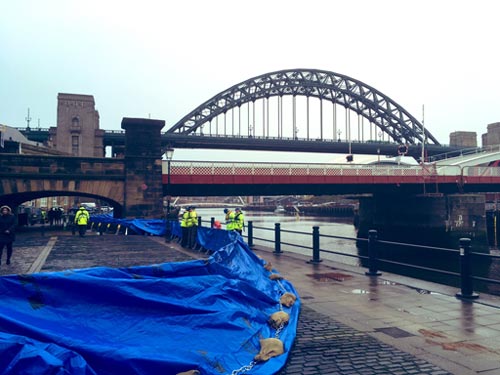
(169, 153)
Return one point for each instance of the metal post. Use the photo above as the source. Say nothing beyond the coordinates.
(316, 257)
(168, 230)
(465, 271)
(169, 152)
(277, 239)
(199, 221)
(250, 233)
(372, 254)
(168, 188)
(212, 222)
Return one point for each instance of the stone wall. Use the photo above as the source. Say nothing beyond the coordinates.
(463, 139)
(143, 168)
(492, 137)
(438, 221)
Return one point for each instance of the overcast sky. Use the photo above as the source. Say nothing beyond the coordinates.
(161, 59)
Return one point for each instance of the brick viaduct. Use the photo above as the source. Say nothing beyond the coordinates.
(132, 185)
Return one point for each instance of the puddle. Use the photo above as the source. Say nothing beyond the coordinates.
(330, 276)
(386, 282)
(360, 291)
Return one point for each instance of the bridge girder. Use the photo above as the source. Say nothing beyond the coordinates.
(348, 92)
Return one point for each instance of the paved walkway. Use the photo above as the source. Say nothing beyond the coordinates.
(349, 324)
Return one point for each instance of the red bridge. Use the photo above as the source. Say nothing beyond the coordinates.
(222, 178)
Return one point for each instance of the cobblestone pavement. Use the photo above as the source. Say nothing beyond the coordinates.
(323, 345)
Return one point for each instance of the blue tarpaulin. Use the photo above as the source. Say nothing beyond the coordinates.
(207, 315)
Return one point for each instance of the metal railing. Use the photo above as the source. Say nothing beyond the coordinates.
(464, 152)
(183, 167)
(463, 255)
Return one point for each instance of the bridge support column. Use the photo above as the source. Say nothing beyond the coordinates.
(143, 172)
(430, 220)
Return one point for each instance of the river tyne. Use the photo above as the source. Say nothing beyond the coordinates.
(296, 236)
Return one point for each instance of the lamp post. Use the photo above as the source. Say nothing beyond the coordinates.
(169, 153)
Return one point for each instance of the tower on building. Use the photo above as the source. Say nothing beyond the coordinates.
(463, 139)
(77, 132)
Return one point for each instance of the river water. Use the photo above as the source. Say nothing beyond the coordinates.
(329, 226)
(296, 236)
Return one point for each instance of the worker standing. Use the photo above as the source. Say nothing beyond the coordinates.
(229, 219)
(81, 220)
(239, 220)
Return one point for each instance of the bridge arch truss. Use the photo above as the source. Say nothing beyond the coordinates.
(237, 111)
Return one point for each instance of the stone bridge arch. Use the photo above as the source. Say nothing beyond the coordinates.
(132, 185)
(27, 177)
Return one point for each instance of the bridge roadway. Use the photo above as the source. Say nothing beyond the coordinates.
(350, 323)
(191, 178)
(116, 139)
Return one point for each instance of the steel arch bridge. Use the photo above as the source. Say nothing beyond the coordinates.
(387, 116)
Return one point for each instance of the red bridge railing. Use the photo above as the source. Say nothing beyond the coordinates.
(196, 172)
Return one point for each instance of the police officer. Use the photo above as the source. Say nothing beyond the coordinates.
(239, 220)
(81, 220)
(229, 219)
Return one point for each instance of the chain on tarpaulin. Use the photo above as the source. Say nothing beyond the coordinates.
(244, 369)
(281, 286)
(252, 364)
(278, 330)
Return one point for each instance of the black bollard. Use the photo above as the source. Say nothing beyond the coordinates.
(168, 230)
(277, 239)
(316, 257)
(250, 234)
(465, 271)
(372, 254)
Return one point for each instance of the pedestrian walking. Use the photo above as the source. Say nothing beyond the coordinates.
(71, 219)
(81, 220)
(7, 231)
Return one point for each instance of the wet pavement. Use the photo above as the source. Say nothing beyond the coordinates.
(350, 323)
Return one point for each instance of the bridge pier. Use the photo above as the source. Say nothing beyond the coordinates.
(432, 220)
(143, 193)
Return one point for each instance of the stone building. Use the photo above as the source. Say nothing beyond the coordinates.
(492, 137)
(77, 132)
(463, 139)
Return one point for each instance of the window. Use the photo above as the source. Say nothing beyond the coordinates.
(75, 145)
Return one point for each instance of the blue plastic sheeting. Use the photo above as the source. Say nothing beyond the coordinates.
(154, 227)
(210, 239)
(213, 239)
(207, 315)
